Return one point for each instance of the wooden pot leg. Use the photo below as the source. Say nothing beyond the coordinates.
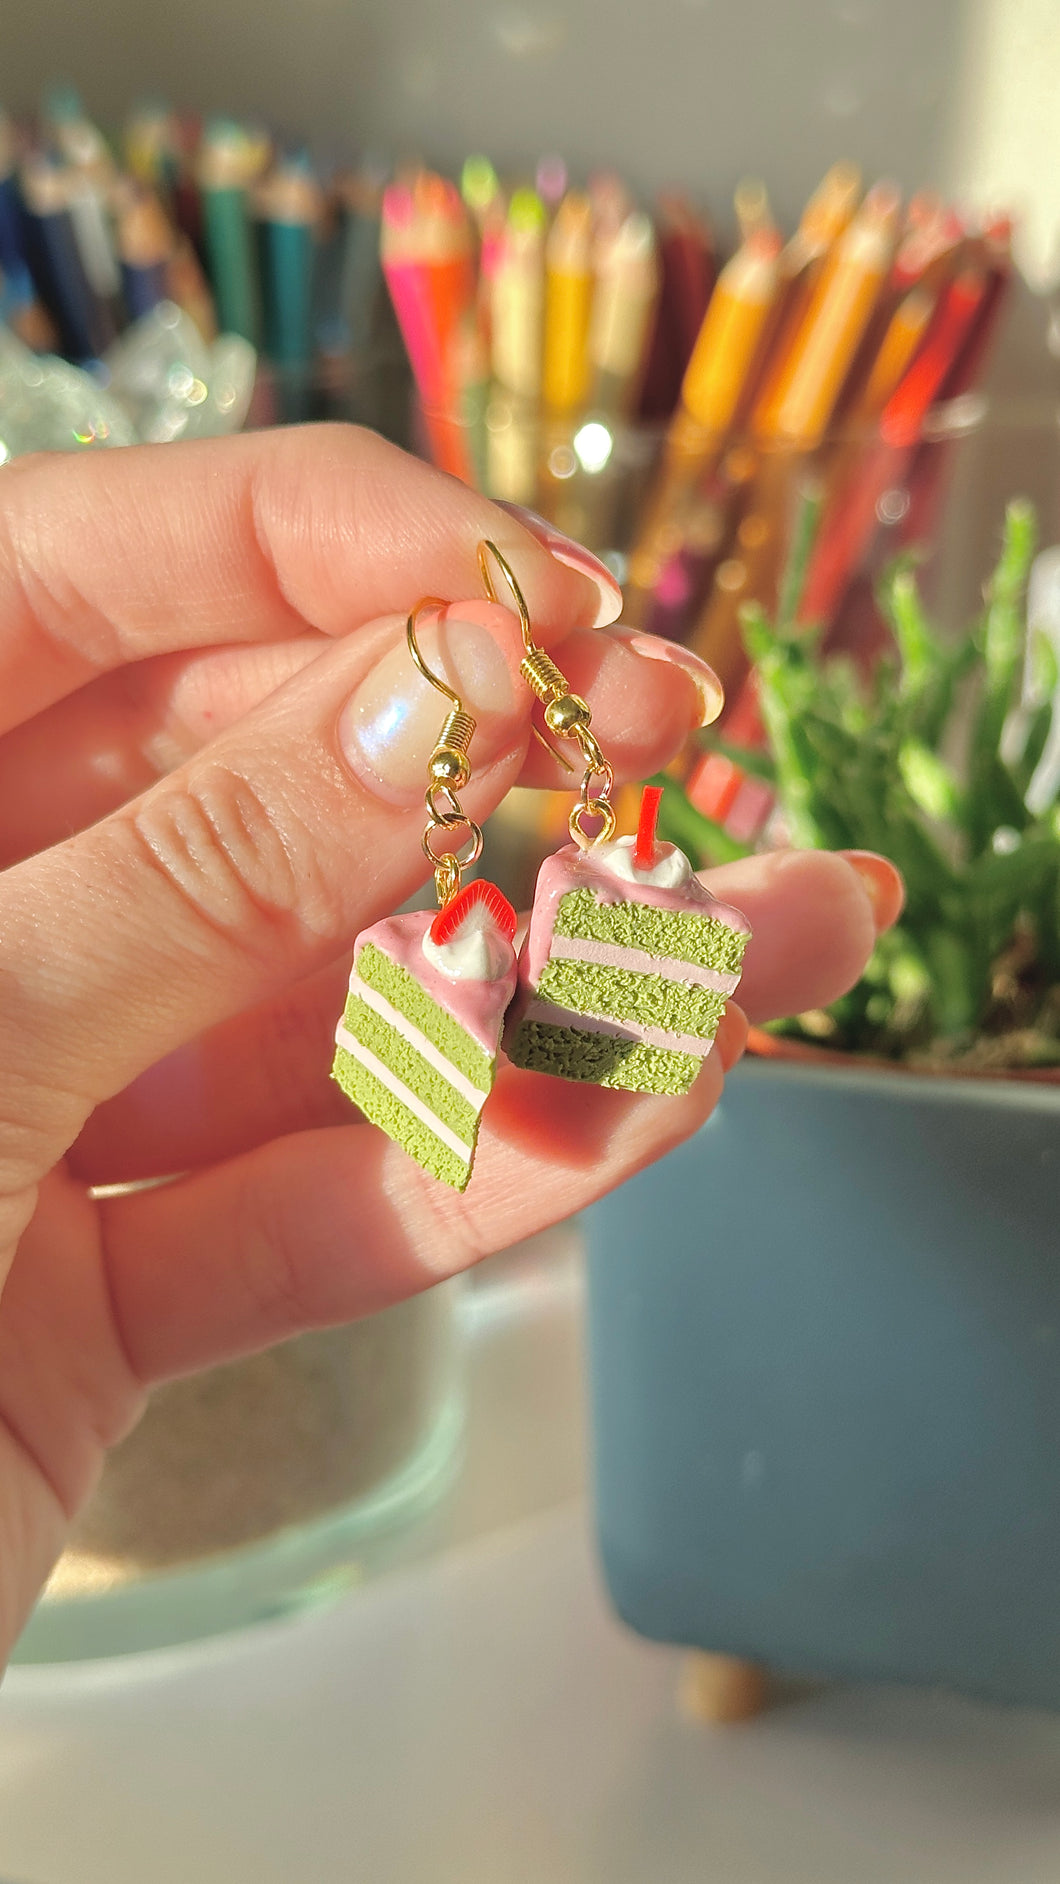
(722, 1689)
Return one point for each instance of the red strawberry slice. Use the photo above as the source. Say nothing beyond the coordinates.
(450, 920)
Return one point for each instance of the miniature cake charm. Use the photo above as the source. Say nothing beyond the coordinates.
(416, 1048)
(627, 966)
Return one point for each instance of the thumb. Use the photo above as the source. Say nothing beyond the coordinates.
(247, 868)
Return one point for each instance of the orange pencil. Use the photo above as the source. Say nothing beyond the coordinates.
(905, 330)
(802, 262)
(445, 242)
(840, 311)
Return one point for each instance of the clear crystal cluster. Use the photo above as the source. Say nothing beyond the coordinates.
(160, 381)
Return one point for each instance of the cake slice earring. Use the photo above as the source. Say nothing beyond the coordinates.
(416, 1048)
(629, 960)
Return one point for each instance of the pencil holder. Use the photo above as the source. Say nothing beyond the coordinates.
(586, 473)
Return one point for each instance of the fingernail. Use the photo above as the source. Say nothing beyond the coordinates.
(574, 556)
(389, 727)
(883, 883)
(657, 648)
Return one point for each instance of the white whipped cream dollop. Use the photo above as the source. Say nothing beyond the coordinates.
(479, 952)
(670, 871)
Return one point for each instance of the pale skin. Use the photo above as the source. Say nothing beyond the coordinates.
(187, 857)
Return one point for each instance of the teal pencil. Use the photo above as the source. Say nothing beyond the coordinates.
(361, 197)
(289, 205)
(229, 161)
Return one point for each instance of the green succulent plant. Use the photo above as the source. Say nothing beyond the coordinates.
(911, 761)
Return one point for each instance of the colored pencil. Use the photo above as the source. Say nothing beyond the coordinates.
(851, 518)
(550, 180)
(360, 196)
(288, 204)
(718, 374)
(839, 311)
(229, 163)
(800, 268)
(84, 322)
(145, 246)
(568, 305)
(625, 293)
(687, 265)
(186, 284)
(152, 147)
(18, 280)
(715, 384)
(426, 264)
(751, 203)
(517, 297)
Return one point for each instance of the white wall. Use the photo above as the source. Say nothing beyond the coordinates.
(963, 93)
(697, 91)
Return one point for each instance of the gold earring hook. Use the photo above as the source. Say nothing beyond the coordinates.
(449, 769)
(566, 713)
(427, 601)
(486, 549)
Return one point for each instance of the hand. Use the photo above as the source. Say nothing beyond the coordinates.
(206, 789)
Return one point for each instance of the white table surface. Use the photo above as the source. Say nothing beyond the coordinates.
(478, 1717)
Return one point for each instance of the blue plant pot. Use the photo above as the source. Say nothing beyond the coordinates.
(825, 1356)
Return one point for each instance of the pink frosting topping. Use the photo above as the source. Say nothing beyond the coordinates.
(477, 1006)
(574, 869)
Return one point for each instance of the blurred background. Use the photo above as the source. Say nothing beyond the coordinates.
(694, 92)
(959, 94)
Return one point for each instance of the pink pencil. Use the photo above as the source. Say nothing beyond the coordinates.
(410, 292)
(409, 281)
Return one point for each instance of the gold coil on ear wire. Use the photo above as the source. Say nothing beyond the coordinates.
(449, 770)
(566, 714)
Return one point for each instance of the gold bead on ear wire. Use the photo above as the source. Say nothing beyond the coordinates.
(566, 714)
(449, 770)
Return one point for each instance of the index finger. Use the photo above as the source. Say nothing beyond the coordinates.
(114, 556)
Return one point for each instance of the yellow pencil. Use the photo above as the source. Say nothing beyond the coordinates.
(728, 340)
(517, 297)
(712, 391)
(839, 313)
(568, 304)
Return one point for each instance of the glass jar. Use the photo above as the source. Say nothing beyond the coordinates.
(261, 1487)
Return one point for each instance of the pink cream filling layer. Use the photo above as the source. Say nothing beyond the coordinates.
(573, 948)
(477, 1006)
(552, 1016)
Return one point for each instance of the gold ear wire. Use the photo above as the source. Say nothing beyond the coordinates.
(566, 713)
(449, 769)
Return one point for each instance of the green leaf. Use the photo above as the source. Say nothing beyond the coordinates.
(930, 784)
(1044, 666)
(993, 798)
(803, 536)
(918, 646)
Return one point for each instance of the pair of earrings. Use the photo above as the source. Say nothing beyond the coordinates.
(622, 979)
